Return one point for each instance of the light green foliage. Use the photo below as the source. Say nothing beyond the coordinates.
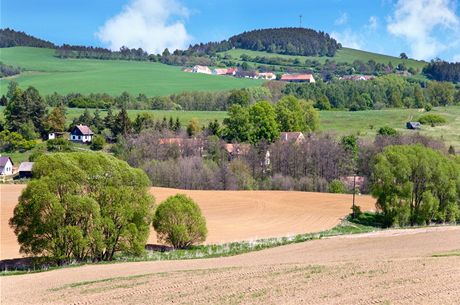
(193, 127)
(237, 124)
(296, 115)
(59, 144)
(240, 97)
(440, 93)
(337, 187)
(13, 141)
(178, 222)
(262, 117)
(109, 76)
(416, 185)
(83, 206)
(323, 103)
(98, 142)
(432, 119)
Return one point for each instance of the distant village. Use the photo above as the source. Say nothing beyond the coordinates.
(286, 77)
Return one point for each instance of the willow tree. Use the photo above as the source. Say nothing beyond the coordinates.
(84, 206)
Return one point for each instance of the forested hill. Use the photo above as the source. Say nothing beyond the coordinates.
(288, 41)
(12, 38)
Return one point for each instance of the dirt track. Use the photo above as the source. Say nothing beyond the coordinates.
(391, 267)
(230, 215)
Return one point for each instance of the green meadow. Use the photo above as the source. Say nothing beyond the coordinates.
(51, 74)
(343, 55)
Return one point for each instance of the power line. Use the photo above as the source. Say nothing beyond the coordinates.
(300, 20)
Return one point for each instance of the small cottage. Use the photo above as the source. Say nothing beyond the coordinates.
(81, 133)
(55, 135)
(6, 166)
(25, 170)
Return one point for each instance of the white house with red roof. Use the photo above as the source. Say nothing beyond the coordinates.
(81, 133)
(298, 78)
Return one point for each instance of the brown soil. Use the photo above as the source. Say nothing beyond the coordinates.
(389, 267)
(230, 215)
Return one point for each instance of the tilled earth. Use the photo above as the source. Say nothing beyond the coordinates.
(414, 266)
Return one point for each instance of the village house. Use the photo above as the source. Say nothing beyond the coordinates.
(201, 69)
(220, 71)
(246, 74)
(25, 170)
(6, 166)
(266, 75)
(413, 125)
(296, 137)
(81, 133)
(232, 71)
(298, 78)
(236, 150)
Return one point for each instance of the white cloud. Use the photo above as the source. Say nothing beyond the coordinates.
(343, 19)
(348, 39)
(147, 24)
(373, 23)
(456, 58)
(417, 20)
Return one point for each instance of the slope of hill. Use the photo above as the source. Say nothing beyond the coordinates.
(12, 38)
(346, 55)
(51, 74)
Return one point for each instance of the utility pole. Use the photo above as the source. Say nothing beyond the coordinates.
(354, 194)
(300, 19)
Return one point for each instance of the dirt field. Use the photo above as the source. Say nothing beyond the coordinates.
(389, 267)
(230, 215)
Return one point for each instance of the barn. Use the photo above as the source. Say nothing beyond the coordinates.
(25, 170)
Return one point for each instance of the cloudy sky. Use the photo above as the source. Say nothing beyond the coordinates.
(424, 29)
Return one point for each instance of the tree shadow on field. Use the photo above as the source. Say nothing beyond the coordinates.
(158, 248)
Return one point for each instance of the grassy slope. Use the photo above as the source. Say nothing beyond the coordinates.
(343, 55)
(48, 74)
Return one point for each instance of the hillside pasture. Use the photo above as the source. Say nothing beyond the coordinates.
(344, 55)
(51, 74)
(230, 215)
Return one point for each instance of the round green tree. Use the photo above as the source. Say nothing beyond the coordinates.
(179, 222)
(83, 206)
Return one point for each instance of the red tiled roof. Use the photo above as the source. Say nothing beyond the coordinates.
(288, 77)
(85, 130)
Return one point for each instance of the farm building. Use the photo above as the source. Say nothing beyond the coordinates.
(81, 133)
(296, 137)
(298, 78)
(221, 71)
(55, 135)
(236, 150)
(266, 75)
(25, 170)
(201, 69)
(232, 71)
(413, 125)
(6, 166)
(357, 77)
(246, 74)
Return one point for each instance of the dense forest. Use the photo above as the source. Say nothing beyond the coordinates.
(292, 41)
(443, 71)
(12, 38)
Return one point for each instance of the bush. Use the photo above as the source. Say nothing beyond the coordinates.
(59, 144)
(97, 143)
(337, 187)
(387, 131)
(432, 119)
(178, 222)
(13, 141)
(83, 206)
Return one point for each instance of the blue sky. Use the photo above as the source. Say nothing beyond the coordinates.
(423, 29)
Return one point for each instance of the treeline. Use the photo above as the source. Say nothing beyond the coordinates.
(381, 92)
(69, 51)
(443, 71)
(291, 41)
(7, 70)
(12, 38)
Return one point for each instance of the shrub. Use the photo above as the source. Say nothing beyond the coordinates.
(83, 206)
(336, 186)
(432, 119)
(97, 143)
(59, 144)
(178, 222)
(13, 141)
(428, 107)
(387, 131)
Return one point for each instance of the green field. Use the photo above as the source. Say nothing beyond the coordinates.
(343, 55)
(51, 74)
